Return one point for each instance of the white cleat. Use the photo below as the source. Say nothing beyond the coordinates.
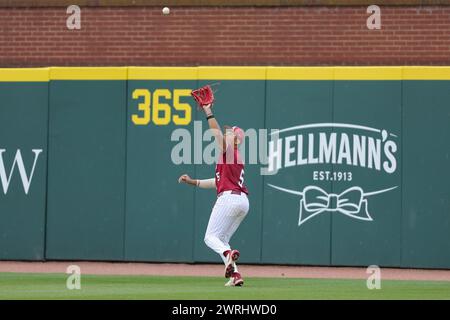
(230, 283)
(235, 281)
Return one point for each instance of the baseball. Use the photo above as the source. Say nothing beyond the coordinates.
(165, 10)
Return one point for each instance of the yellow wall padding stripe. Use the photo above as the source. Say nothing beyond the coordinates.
(224, 73)
(300, 73)
(426, 73)
(89, 73)
(162, 73)
(368, 73)
(232, 73)
(24, 75)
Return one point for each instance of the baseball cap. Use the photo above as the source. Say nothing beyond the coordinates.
(239, 133)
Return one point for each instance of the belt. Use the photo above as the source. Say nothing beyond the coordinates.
(229, 192)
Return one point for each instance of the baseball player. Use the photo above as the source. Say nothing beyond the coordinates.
(232, 204)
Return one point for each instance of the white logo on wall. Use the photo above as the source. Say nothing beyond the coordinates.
(331, 144)
(26, 179)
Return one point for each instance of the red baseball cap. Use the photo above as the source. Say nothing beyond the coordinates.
(238, 132)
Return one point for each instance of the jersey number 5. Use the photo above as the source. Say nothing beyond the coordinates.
(241, 179)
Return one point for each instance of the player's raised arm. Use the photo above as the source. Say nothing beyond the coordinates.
(204, 97)
(214, 126)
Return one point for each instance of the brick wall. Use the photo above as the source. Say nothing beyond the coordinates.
(225, 36)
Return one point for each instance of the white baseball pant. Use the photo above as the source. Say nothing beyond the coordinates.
(226, 216)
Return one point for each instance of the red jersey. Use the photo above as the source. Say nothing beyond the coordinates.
(230, 172)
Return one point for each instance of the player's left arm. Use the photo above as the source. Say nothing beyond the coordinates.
(214, 126)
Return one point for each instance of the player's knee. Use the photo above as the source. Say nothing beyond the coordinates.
(209, 240)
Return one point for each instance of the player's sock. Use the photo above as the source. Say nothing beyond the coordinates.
(226, 253)
(235, 267)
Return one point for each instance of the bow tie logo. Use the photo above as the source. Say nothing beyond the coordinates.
(350, 202)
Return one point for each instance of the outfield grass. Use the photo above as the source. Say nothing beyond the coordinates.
(53, 286)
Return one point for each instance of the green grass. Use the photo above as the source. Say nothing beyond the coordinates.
(53, 286)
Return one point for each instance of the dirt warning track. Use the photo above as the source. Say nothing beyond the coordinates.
(213, 270)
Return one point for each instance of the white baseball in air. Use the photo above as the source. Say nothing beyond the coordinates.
(166, 10)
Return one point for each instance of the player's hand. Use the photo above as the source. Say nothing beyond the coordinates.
(207, 109)
(184, 178)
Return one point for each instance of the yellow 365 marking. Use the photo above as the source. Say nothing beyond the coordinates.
(161, 111)
(143, 106)
(159, 107)
(185, 107)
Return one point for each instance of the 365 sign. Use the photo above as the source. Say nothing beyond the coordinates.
(18, 166)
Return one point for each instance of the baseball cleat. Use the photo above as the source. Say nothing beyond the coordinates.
(235, 255)
(229, 283)
(232, 256)
(235, 281)
(229, 269)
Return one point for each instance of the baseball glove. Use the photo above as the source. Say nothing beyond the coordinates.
(203, 96)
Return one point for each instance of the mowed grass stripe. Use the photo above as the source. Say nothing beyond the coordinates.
(53, 286)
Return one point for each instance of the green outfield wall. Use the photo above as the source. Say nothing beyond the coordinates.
(357, 173)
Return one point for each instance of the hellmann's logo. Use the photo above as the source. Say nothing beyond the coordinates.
(333, 155)
(17, 165)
